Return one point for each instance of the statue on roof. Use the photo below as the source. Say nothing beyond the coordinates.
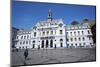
(50, 15)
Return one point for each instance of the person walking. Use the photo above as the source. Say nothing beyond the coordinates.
(26, 53)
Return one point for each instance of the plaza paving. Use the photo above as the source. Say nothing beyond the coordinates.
(48, 56)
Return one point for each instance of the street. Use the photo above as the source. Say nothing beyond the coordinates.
(48, 56)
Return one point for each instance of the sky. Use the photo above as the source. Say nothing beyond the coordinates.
(25, 15)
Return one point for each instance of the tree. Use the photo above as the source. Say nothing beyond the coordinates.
(93, 29)
(74, 23)
(85, 19)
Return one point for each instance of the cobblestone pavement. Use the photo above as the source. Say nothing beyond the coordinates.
(46, 56)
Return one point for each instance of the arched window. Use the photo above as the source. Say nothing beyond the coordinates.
(26, 42)
(61, 44)
(34, 41)
(61, 39)
(24, 37)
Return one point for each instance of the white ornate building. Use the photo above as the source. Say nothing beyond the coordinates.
(53, 33)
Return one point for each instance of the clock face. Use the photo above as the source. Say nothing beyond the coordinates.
(60, 24)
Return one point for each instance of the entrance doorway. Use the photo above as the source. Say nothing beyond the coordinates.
(42, 44)
(46, 43)
(51, 43)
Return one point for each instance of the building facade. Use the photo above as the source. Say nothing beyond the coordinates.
(53, 33)
(13, 37)
(79, 36)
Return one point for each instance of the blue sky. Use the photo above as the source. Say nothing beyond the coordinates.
(27, 14)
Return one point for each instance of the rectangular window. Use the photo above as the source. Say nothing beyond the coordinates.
(76, 44)
(67, 33)
(75, 39)
(89, 38)
(55, 31)
(24, 37)
(88, 32)
(34, 34)
(80, 44)
(40, 33)
(71, 39)
(26, 42)
(51, 32)
(47, 32)
(78, 32)
(43, 33)
(34, 41)
(79, 39)
(83, 38)
(60, 31)
(20, 42)
(74, 33)
(16, 37)
(83, 43)
(27, 36)
(67, 44)
(82, 32)
(67, 39)
(70, 33)
(90, 43)
(71, 44)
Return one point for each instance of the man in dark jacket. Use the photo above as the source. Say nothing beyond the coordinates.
(26, 53)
